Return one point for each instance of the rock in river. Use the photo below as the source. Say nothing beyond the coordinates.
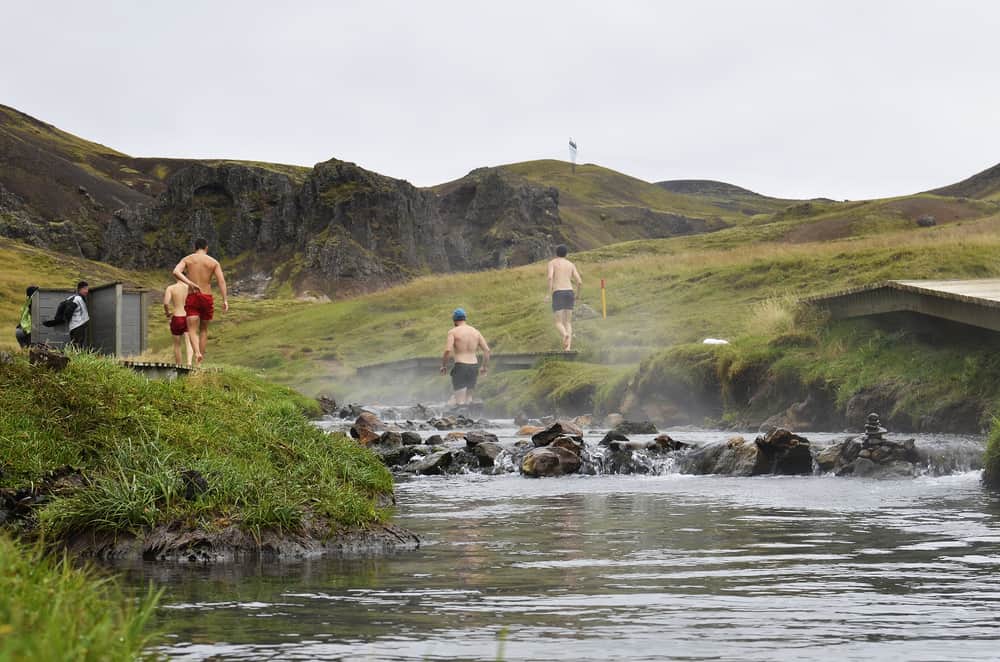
(550, 461)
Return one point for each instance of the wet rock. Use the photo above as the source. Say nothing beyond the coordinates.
(327, 405)
(584, 420)
(434, 464)
(434, 440)
(487, 452)
(572, 444)
(665, 442)
(550, 461)
(785, 453)
(635, 427)
(612, 436)
(411, 438)
(868, 457)
(390, 438)
(733, 457)
(529, 430)
(351, 411)
(557, 429)
(400, 456)
(367, 427)
(476, 437)
(194, 484)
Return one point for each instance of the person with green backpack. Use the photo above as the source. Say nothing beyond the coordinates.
(23, 329)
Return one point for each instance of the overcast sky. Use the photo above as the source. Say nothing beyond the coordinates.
(796, 99)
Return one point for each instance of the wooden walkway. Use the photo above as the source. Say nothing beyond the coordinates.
(152, 370)
(430, 364)
(972, 302)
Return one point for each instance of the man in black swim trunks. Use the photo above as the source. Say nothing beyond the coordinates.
(463, 341)
(562, 273)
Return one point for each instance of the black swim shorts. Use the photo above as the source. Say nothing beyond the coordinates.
(464, 375)
(562, 300)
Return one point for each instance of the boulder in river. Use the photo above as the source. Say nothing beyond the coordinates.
(529, 430)
(476, 437)
(870, 457)
(635, 427)
(778, 452)
(612, 436)
(557, 429)
(411, 439)
(367, 427)
(434, 464)
(487, 452)
(550, 461)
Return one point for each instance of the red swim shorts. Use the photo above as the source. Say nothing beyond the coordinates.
(178, 325)
(200, 305)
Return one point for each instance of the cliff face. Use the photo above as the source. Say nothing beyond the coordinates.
(341, 229)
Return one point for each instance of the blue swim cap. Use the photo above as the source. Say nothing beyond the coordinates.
(459, 314)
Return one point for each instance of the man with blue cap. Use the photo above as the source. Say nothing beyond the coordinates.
(463, 341)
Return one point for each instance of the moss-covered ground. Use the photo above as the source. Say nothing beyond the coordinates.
(266, 466)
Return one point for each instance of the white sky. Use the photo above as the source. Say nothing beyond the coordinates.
(845, 99)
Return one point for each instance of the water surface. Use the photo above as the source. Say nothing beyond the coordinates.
(626, 567)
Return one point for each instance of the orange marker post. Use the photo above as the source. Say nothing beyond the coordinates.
(604, 302)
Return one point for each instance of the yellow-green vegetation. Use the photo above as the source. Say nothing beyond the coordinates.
(266, 466)
(991, 463)
(51, 609)
(738, 284)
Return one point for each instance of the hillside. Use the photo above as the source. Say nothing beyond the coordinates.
(727, 197)
(984, 185)
(600, 206)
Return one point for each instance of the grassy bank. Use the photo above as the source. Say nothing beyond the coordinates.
(128, 442)
(51, 610)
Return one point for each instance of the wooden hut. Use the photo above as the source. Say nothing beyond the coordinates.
(119, 319)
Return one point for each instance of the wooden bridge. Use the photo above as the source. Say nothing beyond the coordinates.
(430, 364)
(972, 302)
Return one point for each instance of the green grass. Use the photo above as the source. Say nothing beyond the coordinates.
(266, 465)
(51, 609)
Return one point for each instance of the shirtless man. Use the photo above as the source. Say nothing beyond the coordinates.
(199, 305)
(173, 305)
(463, 341)
(562, 273)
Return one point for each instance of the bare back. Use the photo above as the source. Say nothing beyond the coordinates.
(562, 273)
(177, 293)
(463, 341)
(200, 267)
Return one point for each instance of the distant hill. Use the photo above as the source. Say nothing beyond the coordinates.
(600, 206)
(727, 196)
(984, 185)
(337, 229)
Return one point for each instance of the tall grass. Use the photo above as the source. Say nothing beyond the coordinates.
(266, 465)
(52, 610)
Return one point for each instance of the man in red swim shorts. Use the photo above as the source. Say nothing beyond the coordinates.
(196, 270)
(173, 305)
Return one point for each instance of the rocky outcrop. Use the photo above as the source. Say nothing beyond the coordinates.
(345, 229)
(871, 458)
(778, 452)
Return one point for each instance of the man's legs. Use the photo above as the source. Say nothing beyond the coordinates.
(194, 324)
(177, 349)
(203, 339)
(458, 397)
(560, 327)
(564, 324)
(188, 350)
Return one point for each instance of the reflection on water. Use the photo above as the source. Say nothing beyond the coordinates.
(617, 567)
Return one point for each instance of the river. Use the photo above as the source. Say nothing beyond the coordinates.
(626, 567)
